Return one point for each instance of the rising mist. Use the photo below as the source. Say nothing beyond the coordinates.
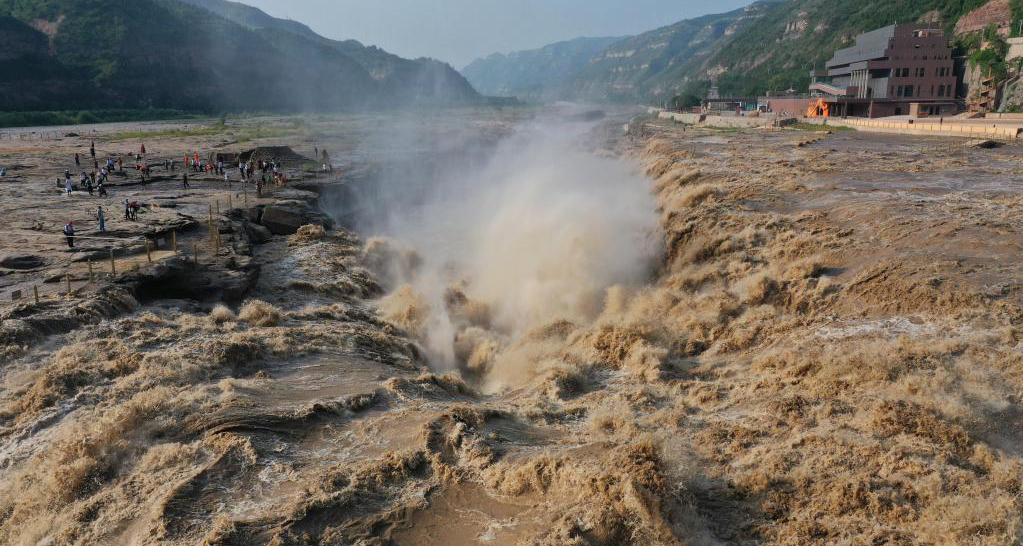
(489, 245)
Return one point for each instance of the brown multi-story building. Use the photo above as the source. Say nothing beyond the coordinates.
(896, 70)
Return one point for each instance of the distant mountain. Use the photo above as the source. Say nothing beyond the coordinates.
(767, 46)
(661, 63)
(403, 79)
(656, 64)
(534, 74)
(201, 55)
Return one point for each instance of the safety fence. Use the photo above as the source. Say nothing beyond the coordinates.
(927, 128)
(110, 257)
(32, 135)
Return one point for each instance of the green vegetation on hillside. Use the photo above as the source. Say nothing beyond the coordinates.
(767, 57)
(770, 46)
(61, 55)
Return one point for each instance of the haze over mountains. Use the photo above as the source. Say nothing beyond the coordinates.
(216, 55)
(205, 55)
(767, 46)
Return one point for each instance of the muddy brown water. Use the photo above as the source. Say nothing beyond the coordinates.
(744, 398)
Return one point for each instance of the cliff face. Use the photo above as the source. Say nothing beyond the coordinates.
(995, 12)
(170, 54)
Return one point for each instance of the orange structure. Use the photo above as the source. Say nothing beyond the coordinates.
(818, 109)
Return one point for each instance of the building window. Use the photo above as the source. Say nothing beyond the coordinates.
(932, 90)
(920, 72)
(909, 91)
(941, 90)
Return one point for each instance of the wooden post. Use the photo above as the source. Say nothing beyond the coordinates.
(195, 253)
(67, 278)
(218, 206)
(211, 215)
(174, 241)
(113, 264)
(229, 206)
(92, 277)
(35, 292)
(245, 194)
(149, 251)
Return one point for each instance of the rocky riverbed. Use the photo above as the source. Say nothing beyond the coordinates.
(823, 349)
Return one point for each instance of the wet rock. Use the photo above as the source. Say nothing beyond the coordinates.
(21, 261)
(93, 256)
(985, 144)
(285, 217)
(293, 194)
(257, 234)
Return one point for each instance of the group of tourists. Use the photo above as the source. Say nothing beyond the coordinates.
(91, 182)
(270, 171)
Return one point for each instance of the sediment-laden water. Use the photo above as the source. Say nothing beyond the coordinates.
(563, 338)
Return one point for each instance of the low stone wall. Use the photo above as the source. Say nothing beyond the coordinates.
(948, 129)
(690, 119)
(1003, 116)
(738, 122)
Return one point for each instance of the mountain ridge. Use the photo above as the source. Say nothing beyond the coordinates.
(768, 46)
(184, 55)
(536, 73)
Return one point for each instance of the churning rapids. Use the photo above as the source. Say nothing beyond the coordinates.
(550, 333)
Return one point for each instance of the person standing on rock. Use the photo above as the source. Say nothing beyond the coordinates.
(102, 219)
(184, 180)
(78, 160)
(127, 210)
(69, 234)
(67, 185)
(92, 148)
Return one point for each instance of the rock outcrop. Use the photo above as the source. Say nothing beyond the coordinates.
(284, 217)
(995, 12)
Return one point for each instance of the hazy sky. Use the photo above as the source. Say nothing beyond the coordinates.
(458, 31)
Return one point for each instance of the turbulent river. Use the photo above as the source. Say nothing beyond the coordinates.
(548, 332)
